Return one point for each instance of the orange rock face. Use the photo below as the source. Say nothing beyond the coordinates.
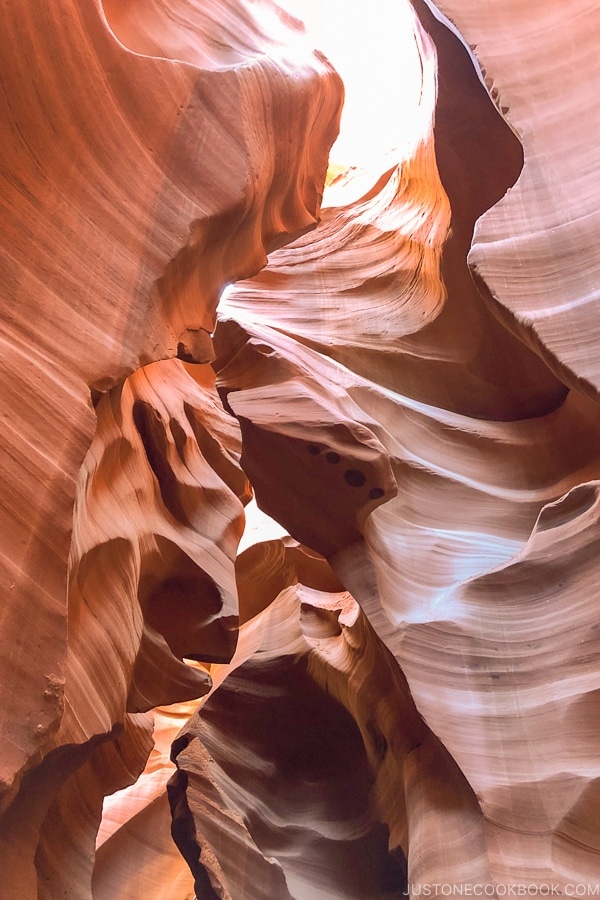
(391, 685)
(134, 186)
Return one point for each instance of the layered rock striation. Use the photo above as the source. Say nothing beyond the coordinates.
(136, 183)
(393, 685)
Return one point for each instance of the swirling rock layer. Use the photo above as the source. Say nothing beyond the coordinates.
(135, 183)
(399, 688)
(493, 449)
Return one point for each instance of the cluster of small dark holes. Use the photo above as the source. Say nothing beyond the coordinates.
(353, 477)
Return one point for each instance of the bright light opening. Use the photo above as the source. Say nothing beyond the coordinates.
(372, 45)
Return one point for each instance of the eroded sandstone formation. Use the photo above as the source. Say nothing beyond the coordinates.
(396, 685)
(134, 186)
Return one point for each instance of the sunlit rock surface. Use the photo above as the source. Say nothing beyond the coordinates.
(135, 183)
(393, 682)
(464, 568)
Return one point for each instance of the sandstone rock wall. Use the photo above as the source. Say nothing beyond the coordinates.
(397, 685)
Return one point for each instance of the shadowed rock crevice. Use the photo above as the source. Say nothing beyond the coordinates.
(338, 766)
(480, 158)
(303, 783)
(183, 829)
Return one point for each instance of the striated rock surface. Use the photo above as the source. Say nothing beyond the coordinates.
(339, 766)
(136, 182)
(494, 451)
(393, 683)
(536, 250)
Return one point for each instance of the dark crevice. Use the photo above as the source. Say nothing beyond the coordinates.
(182, 603)
(306, 763)
(183, 831)
(152, 433)
(216, 456)
(479, 158)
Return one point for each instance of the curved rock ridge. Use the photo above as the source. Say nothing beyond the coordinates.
(213, 36)
(156, 525)
(116, 243)
(137, 820)
(531, 681)
(383, 284)
(398, 226)
(469, 494)
(338, 766)
(537, 249)
(154, 584)
(458, 561)
(133, 187)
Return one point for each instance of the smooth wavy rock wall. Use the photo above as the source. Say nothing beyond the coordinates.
(135, 182)
(397, 685)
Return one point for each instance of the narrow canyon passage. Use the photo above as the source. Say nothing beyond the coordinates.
(301, 451)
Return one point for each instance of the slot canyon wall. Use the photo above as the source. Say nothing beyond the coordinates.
(300, 454)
